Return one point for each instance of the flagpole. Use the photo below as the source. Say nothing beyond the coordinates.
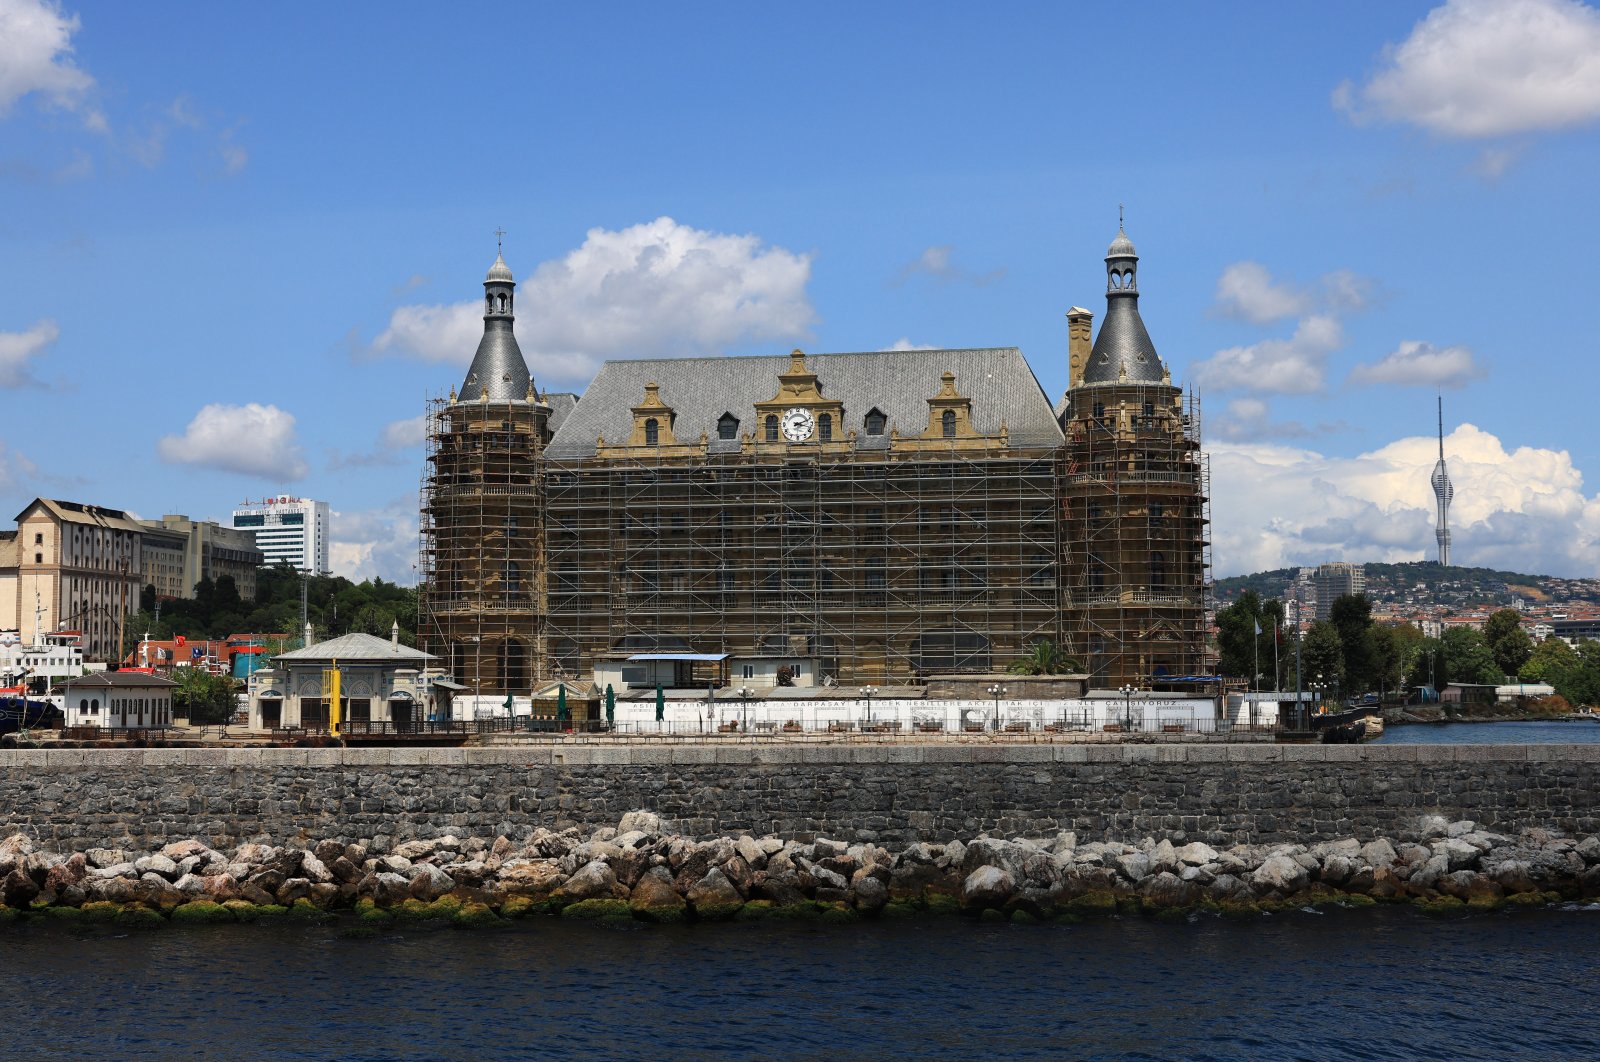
(1277, 631)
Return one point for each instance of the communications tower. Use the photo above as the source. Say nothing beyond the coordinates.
(1443, 493)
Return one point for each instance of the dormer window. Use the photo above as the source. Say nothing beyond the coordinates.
(652, 432)
(876, 422)
(947, 423)
(727, 426)
(825, 427)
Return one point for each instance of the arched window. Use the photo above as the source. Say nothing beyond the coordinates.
(948, 423)
(727, 426)
(875, 422)
(502, 298)
(825, 427)
(772, 428)
(513, 577)
(652, 432)
(488, 304)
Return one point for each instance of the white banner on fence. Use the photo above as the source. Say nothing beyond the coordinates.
(951, 715)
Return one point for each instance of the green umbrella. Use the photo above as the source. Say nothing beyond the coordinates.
(661, 703)
(611, 705)
(561, 703)
(509, 706)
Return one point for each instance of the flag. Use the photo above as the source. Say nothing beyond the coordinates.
(1258, 628)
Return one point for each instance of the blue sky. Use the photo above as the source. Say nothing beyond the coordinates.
(240, 246)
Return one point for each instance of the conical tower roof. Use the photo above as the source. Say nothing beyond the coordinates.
(498, 371)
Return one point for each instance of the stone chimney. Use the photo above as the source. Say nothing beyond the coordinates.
(394, 633)
(1080, 340)
(308, 634)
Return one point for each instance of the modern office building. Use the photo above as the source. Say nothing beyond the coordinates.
(878, 517)
(179, 552)
(287, 530)
(1336, 580)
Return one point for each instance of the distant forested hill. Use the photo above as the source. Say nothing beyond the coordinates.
(1427, 582)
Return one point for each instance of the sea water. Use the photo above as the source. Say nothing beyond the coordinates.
(1380, 983)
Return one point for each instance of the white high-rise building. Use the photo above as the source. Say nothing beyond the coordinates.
(288, 530)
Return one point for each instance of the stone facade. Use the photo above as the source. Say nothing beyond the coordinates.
(1223, 794)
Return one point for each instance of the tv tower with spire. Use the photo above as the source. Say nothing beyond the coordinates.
(1443, 493)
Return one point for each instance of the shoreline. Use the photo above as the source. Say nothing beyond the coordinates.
(642, 871)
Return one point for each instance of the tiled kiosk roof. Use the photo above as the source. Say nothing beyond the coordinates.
(898, 383)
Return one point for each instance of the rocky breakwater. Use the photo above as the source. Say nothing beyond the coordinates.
(641, 870)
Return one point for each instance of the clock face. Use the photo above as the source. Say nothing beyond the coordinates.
(798, 425)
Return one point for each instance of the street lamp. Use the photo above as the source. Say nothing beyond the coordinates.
(745, 693)
(997, 691)
(868, 691)
(1127, 690)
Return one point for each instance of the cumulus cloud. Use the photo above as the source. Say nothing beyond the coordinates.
(903, 343)
(1522, 510)
(654, 289)
(1250, 418)
(36, 57)
(1293, 366)
(937, 262)
(403, 434)
(381, 542)
(251, 439)
(1247, 290)
(1485, 68)
(1419, 364)
(17, 348)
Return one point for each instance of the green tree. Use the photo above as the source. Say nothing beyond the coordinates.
(1468, 657)
(1321, 656)
(1429, 667)
(203, 698)
(1044, 658)
(1547, 659)
(1351, 617)
(1241, 650)
(1394, 651)
(1507, 640)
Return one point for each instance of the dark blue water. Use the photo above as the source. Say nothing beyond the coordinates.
(1509, 733)
(1383, 983)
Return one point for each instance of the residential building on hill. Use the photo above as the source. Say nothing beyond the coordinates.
(878, 517)
(1336, 580)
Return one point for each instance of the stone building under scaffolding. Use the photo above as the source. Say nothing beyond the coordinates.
(878, 517)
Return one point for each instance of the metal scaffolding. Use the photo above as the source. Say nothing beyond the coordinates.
(481, 596)
(883, 567)
(1136, 515)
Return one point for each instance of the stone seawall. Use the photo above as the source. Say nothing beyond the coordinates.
(73, 800)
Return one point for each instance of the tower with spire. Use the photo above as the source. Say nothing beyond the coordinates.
(1444, 493)
(481, 596)
(1135, 558)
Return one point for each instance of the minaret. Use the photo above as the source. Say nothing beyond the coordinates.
(1443, 493)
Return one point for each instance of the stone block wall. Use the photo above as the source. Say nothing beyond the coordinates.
(1221, 794)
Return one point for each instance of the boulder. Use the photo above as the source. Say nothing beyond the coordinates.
(157, 864)
(714, 896)
(593, 881)
(1133, 866)
(315, 870)
(987, 887)
(1513, 876)
(293, 889)
(991, 852)
(646, 822)
(328, 851)
(385, 888)
(411, 851)
(1281, 874)
(1588, 850)
(1166, 889)
(1458, 853)
(811, 877)
(429, 883)
(1196, 854)
(106, 857)
(1336, 869)
(537, 878)
(17, 889)
(1163, 858)
(191, 885)
(871, 893)
(178, 851)
(656, 898)
(781, 892)
(71, 871)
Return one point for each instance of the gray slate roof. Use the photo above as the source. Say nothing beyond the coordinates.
(561, 403)
(898, 382)
(1122, 343)
(118, 680)
(357, 649)
(498, 365)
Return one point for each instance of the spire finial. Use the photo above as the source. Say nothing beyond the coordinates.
(1119, 217)
(499, 240)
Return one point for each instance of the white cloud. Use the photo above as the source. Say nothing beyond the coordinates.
(1297, 365)
(1247, 419)
(1419, 364)
(936, 262)
(17, 347)
(1522, 510)
(650, 290)
(402, 434)
(1483, 68)
(376, 542)
(904, 343)
(1247, 290)
(15, 468)
(252, 439)
(36, 56)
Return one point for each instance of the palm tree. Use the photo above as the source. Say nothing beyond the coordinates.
(1044, 658)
